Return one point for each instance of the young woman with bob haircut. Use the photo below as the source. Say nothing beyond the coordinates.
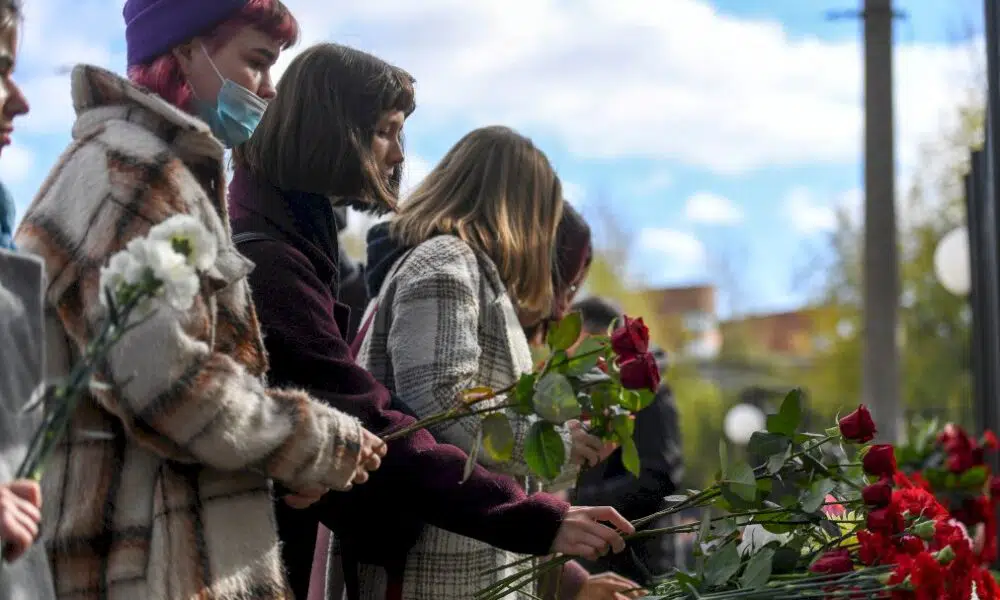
(288, 178)
(172, 496)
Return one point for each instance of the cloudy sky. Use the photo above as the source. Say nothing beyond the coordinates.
(716, 131)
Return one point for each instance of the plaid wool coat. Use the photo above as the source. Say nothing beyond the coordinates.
(172, 501)
(445, 323)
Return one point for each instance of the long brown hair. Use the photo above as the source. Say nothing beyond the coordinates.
(316, 134)
(498, 192)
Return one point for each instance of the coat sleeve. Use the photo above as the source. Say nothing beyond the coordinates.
(170, 387)
(434, 346)
(418, 477)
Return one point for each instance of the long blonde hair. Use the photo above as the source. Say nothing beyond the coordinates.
(497, 192)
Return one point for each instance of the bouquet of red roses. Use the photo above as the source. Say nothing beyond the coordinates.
(809, 522)
(950, 464)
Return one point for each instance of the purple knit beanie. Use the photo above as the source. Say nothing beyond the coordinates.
(154, 27)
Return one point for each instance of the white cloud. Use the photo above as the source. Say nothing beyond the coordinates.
(574, 193)
(684, 249)
(655, 183)
(709, 208)
(807, 214)
(16, 164)
(702, 88)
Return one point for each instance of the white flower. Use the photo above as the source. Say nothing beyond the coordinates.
(187, 235)
(122, 269)
(756, 537)
(178, 279)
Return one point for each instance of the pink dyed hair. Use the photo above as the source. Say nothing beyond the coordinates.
(163, 75)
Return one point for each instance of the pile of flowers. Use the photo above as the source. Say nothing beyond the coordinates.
(949, 463)
(820, 516)
(604, 379)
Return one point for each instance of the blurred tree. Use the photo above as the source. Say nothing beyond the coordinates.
(934, 332)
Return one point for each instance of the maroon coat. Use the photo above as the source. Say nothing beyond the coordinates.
(295, 289)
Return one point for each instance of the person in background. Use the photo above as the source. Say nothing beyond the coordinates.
(574, 255)
(173, 498)
(24, 568)
(352, 279)
(657, 437)
(288, 178)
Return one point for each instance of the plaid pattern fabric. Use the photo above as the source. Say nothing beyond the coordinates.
(173, 501)
(445, 324)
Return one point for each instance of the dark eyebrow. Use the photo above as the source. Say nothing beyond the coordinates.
(266, 54)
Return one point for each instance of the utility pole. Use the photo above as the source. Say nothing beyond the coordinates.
(880, 354)
(880, 263)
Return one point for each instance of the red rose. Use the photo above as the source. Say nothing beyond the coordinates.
(875, 548)
(911, 544)
(877, 494)
(631, 339)
(833, 562)
(886, 520)
(918, 502)
(858, 426)
(640, 373)
(990, 440)
(880, 460)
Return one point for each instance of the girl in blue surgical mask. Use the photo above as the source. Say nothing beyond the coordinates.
(195, 441)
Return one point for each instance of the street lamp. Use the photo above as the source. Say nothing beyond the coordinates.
(741, 422)
(951, 262)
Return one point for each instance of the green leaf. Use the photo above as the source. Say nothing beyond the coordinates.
(785, 559)
(566, 332)
(724, 527)
(758, 569)
(589, 352)
(555, 400)
(722, 565)
(470, 462)
(973, 478)
(524, 395)
(544, 451)
(636, 400)
(498, 437)
(630, 456)
(789, 415)
(740, 480)
(812, 499)
(777, 448)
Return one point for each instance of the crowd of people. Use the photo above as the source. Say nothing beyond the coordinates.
(233, 450)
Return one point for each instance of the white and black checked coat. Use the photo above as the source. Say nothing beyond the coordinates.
(445, 323)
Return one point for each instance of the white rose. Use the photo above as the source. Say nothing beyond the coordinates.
(187, 235)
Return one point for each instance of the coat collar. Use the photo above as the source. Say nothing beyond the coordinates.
(306, 221)
(100, 96)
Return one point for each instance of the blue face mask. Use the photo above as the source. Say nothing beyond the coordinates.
(236, 113)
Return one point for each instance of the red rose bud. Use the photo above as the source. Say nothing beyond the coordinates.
(858, 426)
(880, 460)
(989, 440)
(877, 494)
(602, 364)
(640, 373)
(631, 339)
(833, 563)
